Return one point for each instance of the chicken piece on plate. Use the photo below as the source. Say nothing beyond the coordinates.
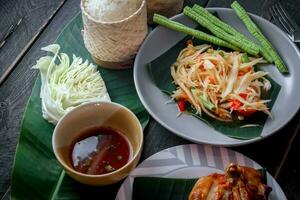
(238, 183)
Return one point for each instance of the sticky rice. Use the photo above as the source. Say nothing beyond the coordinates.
(111, 10)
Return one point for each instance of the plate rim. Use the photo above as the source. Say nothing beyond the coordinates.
(255, 165)
(238, 142)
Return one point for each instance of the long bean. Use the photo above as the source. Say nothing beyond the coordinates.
(187, 30)
(255, 31)
(229, 29)
(219, 32)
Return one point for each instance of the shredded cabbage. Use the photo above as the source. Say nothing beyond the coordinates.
(65, 86)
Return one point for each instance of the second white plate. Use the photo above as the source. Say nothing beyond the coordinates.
(192, 161)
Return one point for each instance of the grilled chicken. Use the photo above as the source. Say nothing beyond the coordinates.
(238, 183)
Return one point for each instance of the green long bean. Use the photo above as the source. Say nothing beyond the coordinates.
(187, 30)
(219, 32)
(229, 29)
(255, 31)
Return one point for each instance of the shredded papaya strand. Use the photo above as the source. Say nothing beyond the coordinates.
(212, 80)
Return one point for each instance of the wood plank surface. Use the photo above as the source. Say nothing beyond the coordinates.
(289, 176)
(16, 90)
(36, 14)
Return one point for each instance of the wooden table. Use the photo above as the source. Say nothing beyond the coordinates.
(42, 22)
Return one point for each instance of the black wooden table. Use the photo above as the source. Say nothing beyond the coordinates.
(42, 22)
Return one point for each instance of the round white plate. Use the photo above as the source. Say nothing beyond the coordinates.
(192, 161)
(161, 39)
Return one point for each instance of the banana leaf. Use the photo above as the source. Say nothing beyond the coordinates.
(36, 173)
(149, 188)
(159, 69)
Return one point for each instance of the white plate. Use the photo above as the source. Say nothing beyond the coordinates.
(192, 161)
(161, 39)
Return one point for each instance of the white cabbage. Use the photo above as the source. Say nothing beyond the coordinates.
(66, 86)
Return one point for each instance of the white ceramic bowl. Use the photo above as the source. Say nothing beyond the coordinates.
(97, 114)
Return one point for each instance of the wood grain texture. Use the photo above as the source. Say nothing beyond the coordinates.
(158, 138)
(199, 2)
(16, 90)
(289, 177)
(35, 13)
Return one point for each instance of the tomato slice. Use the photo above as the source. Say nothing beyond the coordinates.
(243, 95)
(235, 104)
(247, 112)
(181, 105)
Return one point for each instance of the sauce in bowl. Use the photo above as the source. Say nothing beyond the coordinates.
(100, 150)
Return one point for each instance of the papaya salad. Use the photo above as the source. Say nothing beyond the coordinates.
(219, 83)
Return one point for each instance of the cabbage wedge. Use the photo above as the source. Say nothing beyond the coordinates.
(65, 86)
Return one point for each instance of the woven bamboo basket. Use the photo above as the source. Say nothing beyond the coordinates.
(114, 44)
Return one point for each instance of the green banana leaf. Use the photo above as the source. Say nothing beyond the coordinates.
(36, 173)
(159, 69)
(149, 188)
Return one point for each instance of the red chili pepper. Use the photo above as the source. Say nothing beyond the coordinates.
(235, 104)
(243, 95)
(181, 105)
(247, 112)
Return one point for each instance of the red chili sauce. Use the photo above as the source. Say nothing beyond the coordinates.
(99, 150)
